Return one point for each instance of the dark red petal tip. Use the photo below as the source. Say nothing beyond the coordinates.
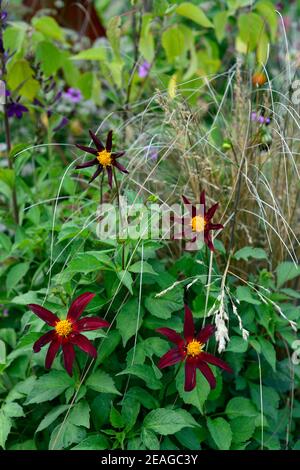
(172, 335)
(78, 305)
(44, 314)
(91, 323)
(189, 329)
(171, 357)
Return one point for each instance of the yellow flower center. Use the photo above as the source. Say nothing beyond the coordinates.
(63, 327)
(104, 158)
(198, 223)
(194, 348)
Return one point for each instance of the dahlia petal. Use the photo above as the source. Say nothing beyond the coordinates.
(120, 167)
(208, 241)
(44, 339)
(215, 361)
(210, 213)
(117, 154)
(69, 356)
(172, 335)
(110, 175)
(206, 333)
(87, 164)
(97, 173)
(87, 149)
(108, 145)
(214, 226)
(83, 343)
(44, 314)
(206, 371)
(78, 305)
(186, 201)
(91, 323)
(96, 141)
(51, 353)
(189, 329)
(202, 199)
(170, 358)
(190, 376)
(190, 207)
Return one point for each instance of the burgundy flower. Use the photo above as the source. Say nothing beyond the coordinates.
(67, 333)
(201, 223)
(105, 158)
(190, 349)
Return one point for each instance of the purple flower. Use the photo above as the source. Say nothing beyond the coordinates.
(3, 16)
(152, 153)
(63, 122)
(253, 116)
(16, 109)
(267, 121)
(261, 119)
(144, 69)
(73, 95)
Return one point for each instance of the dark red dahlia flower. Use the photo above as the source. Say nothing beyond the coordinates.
(190, 349)
(67, 333)
(105, 158)
(201, 223)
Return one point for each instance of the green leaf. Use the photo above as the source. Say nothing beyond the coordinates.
(262, 52)
(101, 381)
(165, 421)
(130, 411)
(94, 53)
(165, 305)
(251, 28)
(64, 435)
(13, 37)
(268, 352)
(144, 267)
(49, 57)
(198, 395)
(220, 21)
(143, 372)
(126, 279)
(173, 42)
(240, 406)
(237, 345)
(113, 32)
(194, 13)
(15, 274)
(128, 323)
(93, 442)
(250, 252)
(244, 294)
(51, 417)
(2, 352)
(268, 12)
(286, 271)
(80, 414)
(146, 44)
(49, 386)
(221, 433)
(115, 418)
(49, 27)
(242, 428)
(150, 440)
(142, 396)
(13, 410)
(5, 427)
(20, 77)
